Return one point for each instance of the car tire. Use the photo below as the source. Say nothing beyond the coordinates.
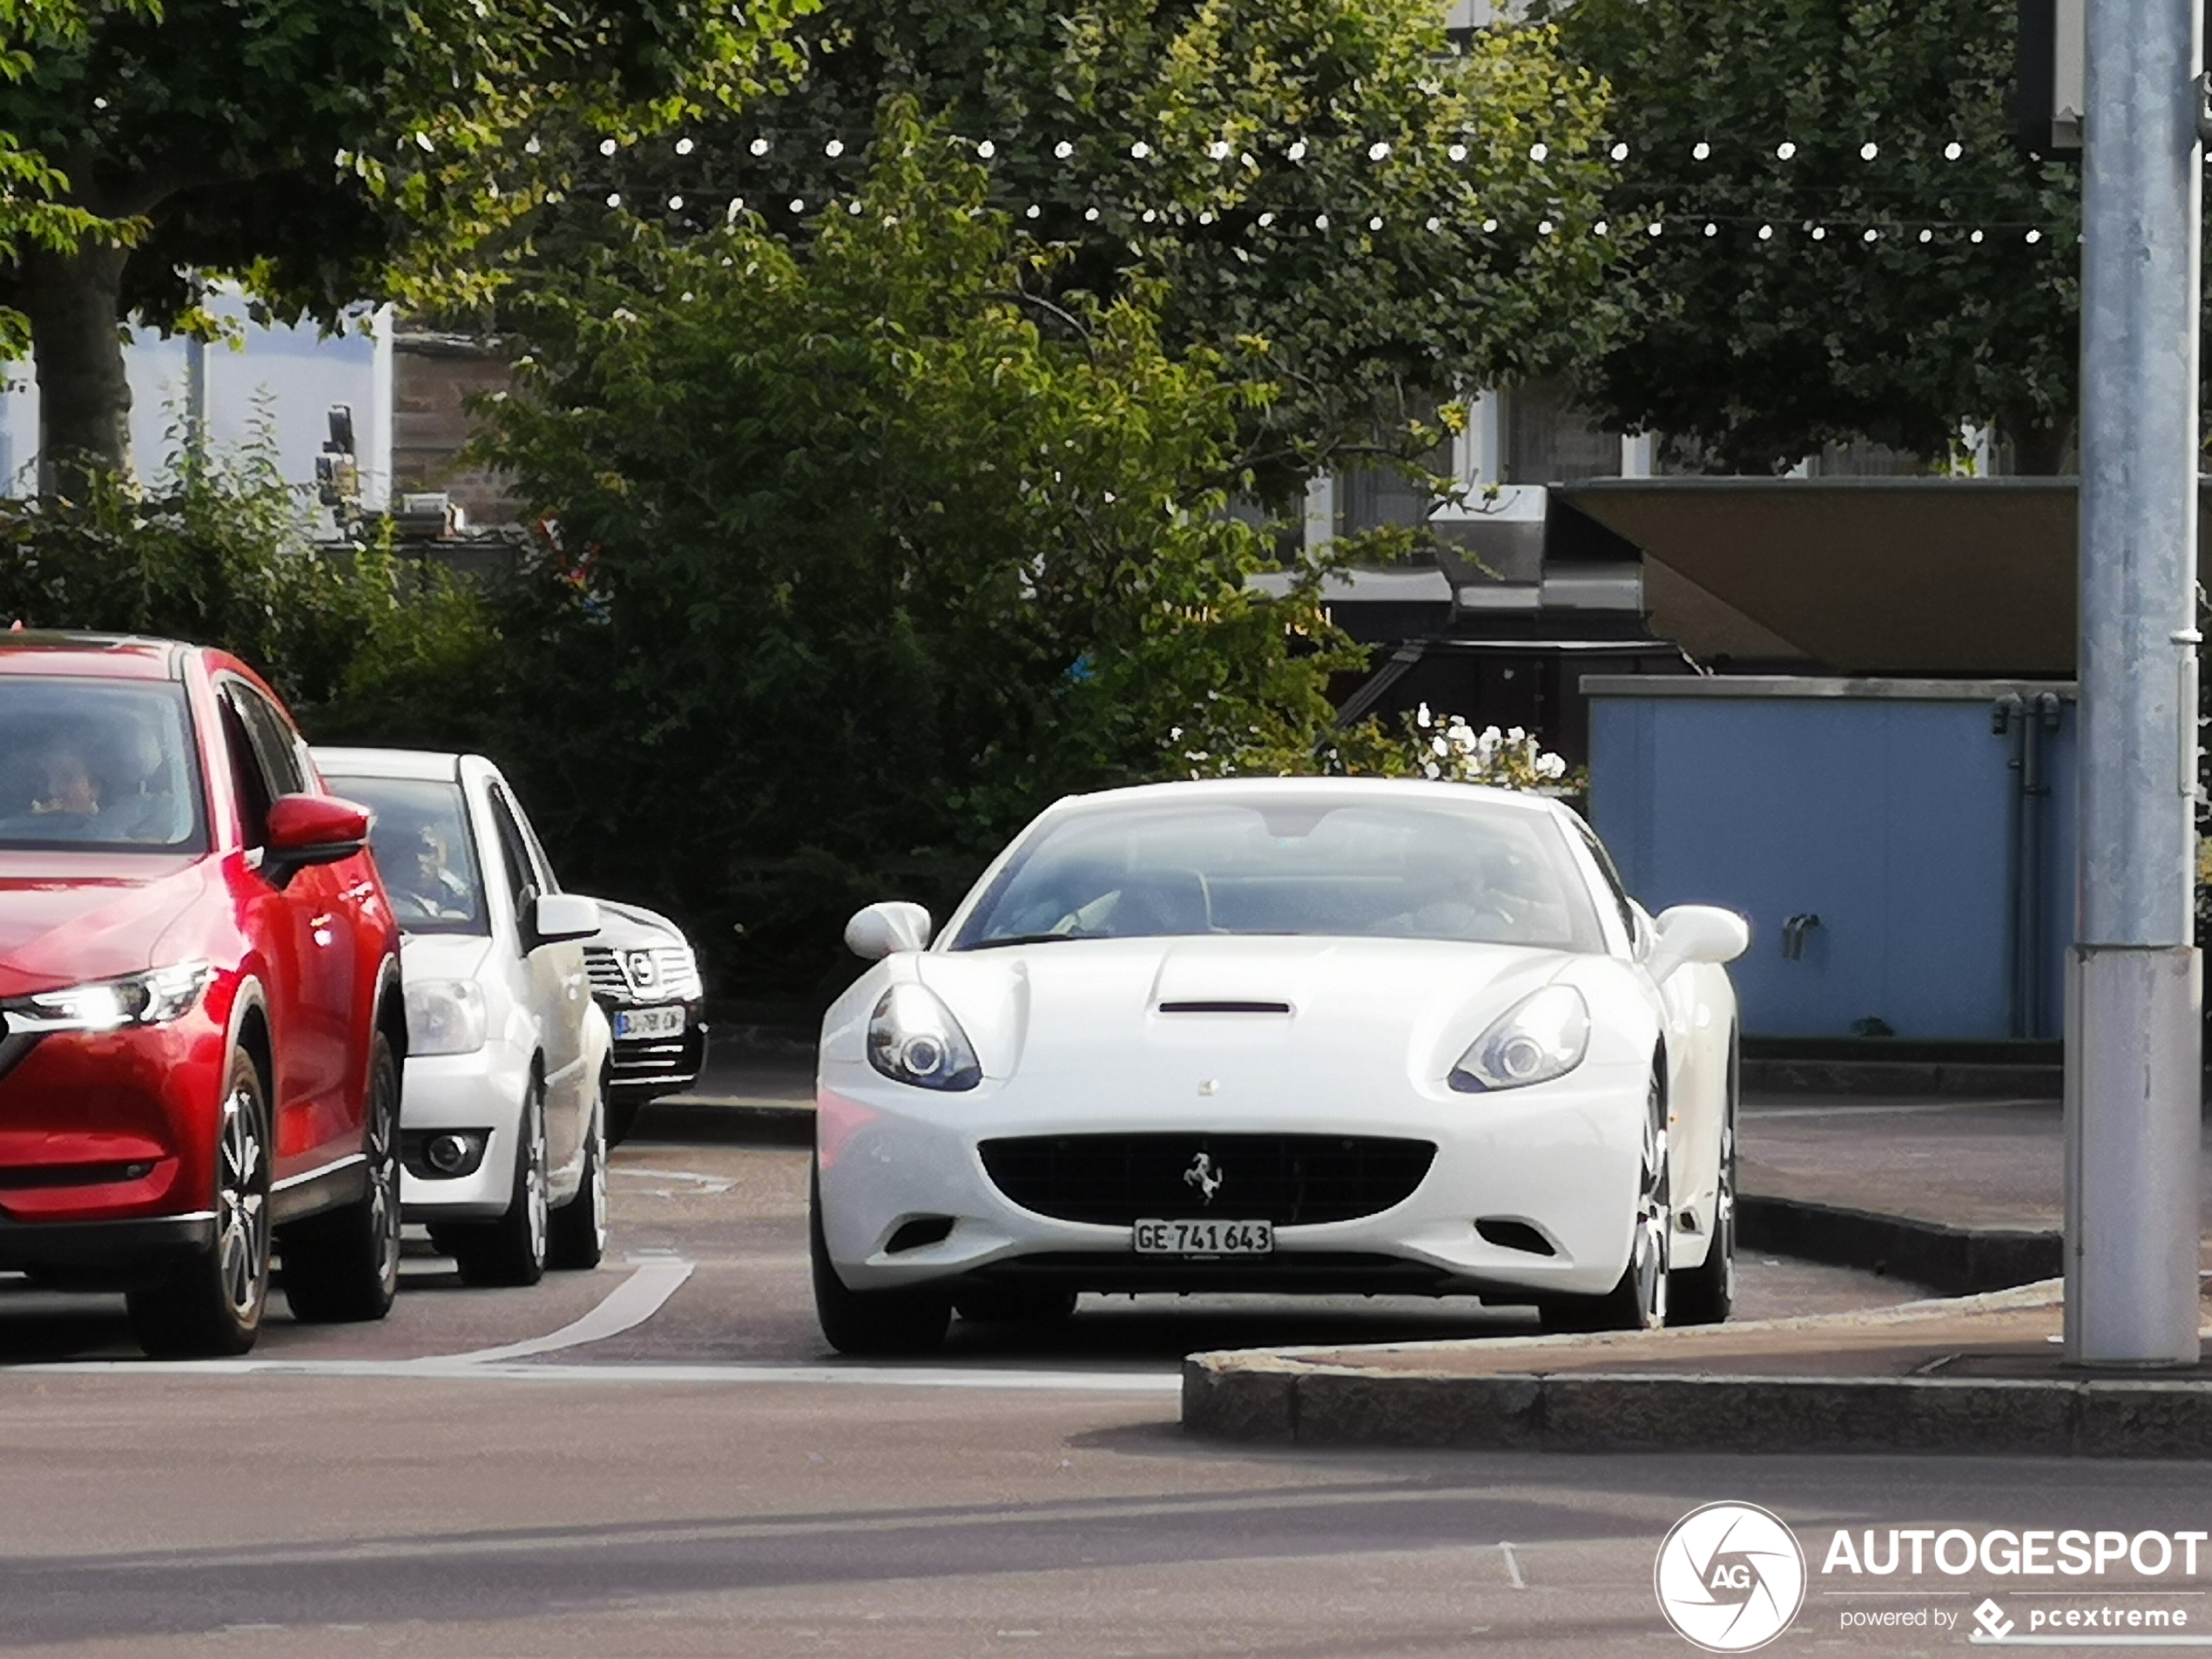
(1706, 1294)
(1640, 1301)
(344, 1267)
(870, 1324)
(621, 1118)
(511, 1251)
(577, 1234)
(209, 1303)
(1016, 1307)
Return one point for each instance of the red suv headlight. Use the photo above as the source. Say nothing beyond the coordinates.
(152, 998)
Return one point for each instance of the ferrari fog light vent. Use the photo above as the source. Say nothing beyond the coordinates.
(919, 1233)
(1506, 1234)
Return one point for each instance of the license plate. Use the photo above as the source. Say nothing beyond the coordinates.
(1205, 1238)
(649, 1022)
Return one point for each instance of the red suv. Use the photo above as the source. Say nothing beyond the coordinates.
(201, 1023)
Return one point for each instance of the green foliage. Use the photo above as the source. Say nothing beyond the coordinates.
(327, 151)
(1287, 166)
(224, 558)
(1750, 353)
(887, 554)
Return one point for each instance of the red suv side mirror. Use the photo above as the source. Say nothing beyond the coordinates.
(313, 829)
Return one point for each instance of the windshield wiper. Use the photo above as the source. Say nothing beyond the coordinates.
(1023, 938)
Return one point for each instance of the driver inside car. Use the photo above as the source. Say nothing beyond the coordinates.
(423, 880)
(64, 795)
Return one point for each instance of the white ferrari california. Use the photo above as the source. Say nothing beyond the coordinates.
(1281, 1035)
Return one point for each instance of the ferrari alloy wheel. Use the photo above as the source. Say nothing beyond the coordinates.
(1706, 1294)
(511, 1251)
(870, 1324)
(1639, 1301)
(209, 1303)
(345, 1267)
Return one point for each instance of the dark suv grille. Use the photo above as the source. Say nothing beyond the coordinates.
(1287, 1179)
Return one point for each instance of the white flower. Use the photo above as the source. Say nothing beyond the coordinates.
(1421, 715)
(1439, 747)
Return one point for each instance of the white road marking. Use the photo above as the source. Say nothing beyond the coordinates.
(699, 1183)
(463, 1368)
(1513, 1568)
(629, 1304)
(656, 1276)
(533, 1543)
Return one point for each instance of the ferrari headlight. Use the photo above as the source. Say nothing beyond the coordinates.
(913, 1038)
(152, 998)
(1540, 1037)
(445, 1016)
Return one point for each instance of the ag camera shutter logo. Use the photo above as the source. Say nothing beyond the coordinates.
(1730, 1577)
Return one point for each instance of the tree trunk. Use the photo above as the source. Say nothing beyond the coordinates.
(2039, 451)
(76, 338)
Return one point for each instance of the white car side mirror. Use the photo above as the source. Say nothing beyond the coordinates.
(558, 916)
(881, 929)
(1695, 932)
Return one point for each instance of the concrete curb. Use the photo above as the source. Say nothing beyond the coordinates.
(1961, 1260)
(1260, 1397)
(724, 1122)
(1957, 1080)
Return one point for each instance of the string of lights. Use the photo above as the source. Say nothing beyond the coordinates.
(1294, 149)
(1250, 220)
(1861, 214)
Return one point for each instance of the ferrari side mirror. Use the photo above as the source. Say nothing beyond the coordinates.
(881, 929)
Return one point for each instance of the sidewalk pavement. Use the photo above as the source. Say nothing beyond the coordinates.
(1978, 1375)
(1958, 1194)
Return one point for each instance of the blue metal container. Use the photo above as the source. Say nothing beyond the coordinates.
(1904, 848)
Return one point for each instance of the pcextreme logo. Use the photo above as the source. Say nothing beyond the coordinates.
(1730, 1577)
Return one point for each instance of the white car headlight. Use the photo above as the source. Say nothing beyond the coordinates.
(445, 1016)
(1540, 1037)
(152, 998)
(913, 1039)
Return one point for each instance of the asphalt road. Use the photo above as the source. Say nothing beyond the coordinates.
(660, 1458)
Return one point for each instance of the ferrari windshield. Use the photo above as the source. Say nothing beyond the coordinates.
(97, 765)
(1473, 871)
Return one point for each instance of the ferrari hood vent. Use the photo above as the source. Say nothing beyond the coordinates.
(1224, 1007)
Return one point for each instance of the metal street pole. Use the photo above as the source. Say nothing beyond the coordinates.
(2134, 985)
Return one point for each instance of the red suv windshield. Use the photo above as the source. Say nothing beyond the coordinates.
(97, 764)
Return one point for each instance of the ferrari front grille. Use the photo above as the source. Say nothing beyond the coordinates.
(1291, 1180)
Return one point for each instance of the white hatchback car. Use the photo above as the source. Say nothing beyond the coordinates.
(502, 1115)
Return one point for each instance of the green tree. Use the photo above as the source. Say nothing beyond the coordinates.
(885, 557)
(323, 151)
(224, 555)
(1342, 203)
(1785, 327)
